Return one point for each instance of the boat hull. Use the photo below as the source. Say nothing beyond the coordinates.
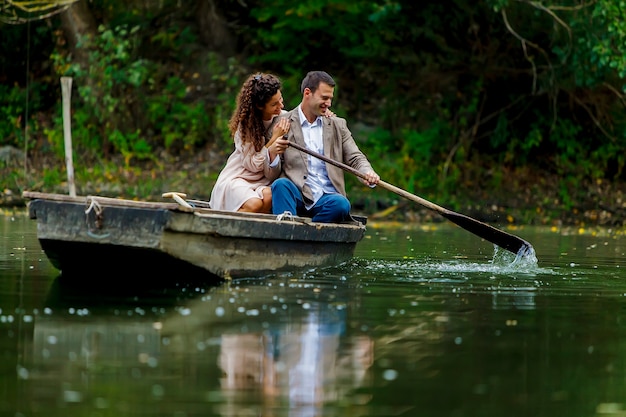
(87, 235)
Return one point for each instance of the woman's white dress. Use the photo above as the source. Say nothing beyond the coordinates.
(246, 174)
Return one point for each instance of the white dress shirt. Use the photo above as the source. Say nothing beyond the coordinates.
(317, 178)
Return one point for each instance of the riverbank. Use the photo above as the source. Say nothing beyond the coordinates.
(522, 198)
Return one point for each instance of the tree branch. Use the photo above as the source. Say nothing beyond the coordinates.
(594, 118)
(18, 12)
(524, 42)
(550, 10)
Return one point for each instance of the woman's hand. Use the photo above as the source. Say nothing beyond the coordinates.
(278, 143)
(280, 129)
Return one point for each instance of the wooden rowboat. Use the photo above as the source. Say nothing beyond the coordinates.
(83, 236)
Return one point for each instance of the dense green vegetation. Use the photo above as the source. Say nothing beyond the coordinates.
(507, 102)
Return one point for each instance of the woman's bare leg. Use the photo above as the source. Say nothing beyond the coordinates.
(257, 205)
(253, 205)
(267, 201)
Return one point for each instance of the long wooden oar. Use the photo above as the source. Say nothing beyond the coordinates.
(503, 239)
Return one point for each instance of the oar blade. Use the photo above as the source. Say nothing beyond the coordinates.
(498, 237)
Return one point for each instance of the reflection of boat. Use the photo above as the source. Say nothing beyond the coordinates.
(84, 235)
(233, 347)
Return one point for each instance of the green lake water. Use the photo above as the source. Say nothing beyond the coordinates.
(425, 320)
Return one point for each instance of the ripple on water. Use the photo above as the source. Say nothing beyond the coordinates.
(503, 263)
(504, 274)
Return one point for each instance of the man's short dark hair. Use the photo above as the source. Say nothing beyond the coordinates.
(313, 79)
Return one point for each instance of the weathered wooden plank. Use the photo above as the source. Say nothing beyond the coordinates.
(88, 200)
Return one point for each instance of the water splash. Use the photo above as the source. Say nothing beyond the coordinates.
(525, 259)
(503, 263)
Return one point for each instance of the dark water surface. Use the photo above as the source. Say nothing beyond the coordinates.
(426, 320)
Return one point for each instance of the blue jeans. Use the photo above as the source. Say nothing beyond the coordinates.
(330, 208)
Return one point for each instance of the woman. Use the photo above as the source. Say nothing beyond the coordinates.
(243, 184)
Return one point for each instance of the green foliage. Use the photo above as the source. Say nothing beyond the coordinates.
(607, 42)
(416, 166)
(130, 145)
(228, 77)
(121, 106)
(52, 178)
(180, 124)
(284, 23)
(105, 88)
(11, 115)
(500, 135)
(498, 5)
(55, 138)
(417, 152)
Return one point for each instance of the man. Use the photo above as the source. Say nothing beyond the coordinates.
(307, 185)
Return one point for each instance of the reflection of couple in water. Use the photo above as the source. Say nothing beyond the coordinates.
(289, 352)
(310, 362)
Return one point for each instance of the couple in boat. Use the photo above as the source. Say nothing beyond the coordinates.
(265, 175)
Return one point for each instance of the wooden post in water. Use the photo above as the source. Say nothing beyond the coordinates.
(66, 91)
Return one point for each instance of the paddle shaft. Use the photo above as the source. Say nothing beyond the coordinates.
(381, 183)
(505, 240)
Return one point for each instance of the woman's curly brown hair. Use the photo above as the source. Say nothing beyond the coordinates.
(256, 91)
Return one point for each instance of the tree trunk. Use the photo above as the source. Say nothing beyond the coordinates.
(214, 28)
(79, 25)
